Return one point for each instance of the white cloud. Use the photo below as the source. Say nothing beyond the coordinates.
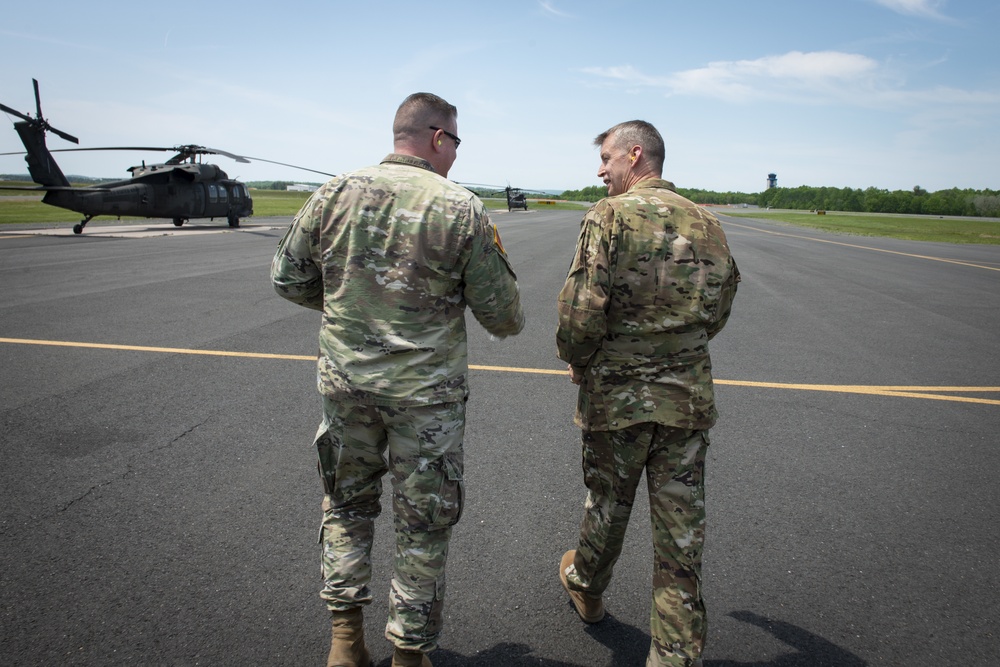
(551, 9)
(628, 75)
(804, 71)
(923, 8)
(791, 75)
(817, 78)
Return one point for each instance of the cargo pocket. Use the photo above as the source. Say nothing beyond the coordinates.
(446, 506)
(326, 466)
(327, 453)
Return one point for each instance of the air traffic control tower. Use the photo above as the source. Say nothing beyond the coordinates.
(772, 181)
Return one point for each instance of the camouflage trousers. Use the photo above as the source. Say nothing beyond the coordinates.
(421, 448)
(674, 462)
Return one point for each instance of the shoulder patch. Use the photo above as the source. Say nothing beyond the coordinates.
(497, 242)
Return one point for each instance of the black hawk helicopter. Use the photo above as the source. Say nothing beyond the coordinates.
(182, 188)
(516, 197)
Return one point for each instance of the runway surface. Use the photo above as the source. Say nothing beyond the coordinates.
(161, 505)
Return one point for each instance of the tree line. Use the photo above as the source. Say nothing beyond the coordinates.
(955, 201)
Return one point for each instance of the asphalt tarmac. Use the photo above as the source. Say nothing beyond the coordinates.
(160, 504)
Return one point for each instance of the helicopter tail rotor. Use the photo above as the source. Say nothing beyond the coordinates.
(44, 123)
(39, 122)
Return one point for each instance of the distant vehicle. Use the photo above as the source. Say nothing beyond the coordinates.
(180, 189)
(515, 199)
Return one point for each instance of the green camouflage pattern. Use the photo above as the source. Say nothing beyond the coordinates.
(392, 254)
(421, 448)
(651, 283)
(674, 462)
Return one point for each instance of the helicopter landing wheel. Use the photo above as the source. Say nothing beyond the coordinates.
(234, 221)
(179, 222)
(78, 227)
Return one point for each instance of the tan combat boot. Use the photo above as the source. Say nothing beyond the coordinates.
(591, 610)
(347, 649)
(401, 658)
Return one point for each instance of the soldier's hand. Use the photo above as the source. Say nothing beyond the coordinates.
(574, 377)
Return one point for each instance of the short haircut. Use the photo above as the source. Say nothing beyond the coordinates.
(633, 132)
(418, 112)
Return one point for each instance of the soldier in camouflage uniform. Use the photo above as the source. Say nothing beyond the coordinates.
(392, 255)
(651, 283)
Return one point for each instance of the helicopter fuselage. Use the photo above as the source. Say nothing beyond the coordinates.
(180, 192)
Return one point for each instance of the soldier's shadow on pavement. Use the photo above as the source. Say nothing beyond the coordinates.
(811, 650)
(504, 653)
(630, 645)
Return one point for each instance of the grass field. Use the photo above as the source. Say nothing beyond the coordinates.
(16, 207)
(19, 206)
(914, 228)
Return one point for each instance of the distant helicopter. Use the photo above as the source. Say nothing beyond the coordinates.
(515, 196)
(182, 188)
(515, 199)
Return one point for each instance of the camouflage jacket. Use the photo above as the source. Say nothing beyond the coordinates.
(392, 254)
(652, 281)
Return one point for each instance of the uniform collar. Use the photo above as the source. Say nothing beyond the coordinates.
(409, 160)
(655, 183)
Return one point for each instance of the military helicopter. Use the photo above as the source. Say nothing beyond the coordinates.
(516, 197)
(182, 188)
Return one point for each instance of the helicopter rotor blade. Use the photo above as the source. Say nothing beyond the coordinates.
(242, 158)
(99, 148)
(232, 156)
(111, 148)
(59, 133)
(15, 112)
(38, 99)
(185, 151)
(293, 166)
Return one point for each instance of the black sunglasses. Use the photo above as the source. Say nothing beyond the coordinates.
(458, 142)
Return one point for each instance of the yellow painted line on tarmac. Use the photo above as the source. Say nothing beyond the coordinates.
(7, 235)
(514, 369)
(167, 350)
(865, 247)
(930, 393)
(897, 391)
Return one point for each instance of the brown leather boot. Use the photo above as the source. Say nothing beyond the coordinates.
(401, 658)
(590, 609)
(347, 648)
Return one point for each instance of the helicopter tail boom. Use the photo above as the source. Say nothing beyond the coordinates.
(41, 165)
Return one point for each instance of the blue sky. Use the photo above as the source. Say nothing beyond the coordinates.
(854, 93)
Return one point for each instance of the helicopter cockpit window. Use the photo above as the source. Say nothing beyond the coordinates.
(213, 193)
(222, 194)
